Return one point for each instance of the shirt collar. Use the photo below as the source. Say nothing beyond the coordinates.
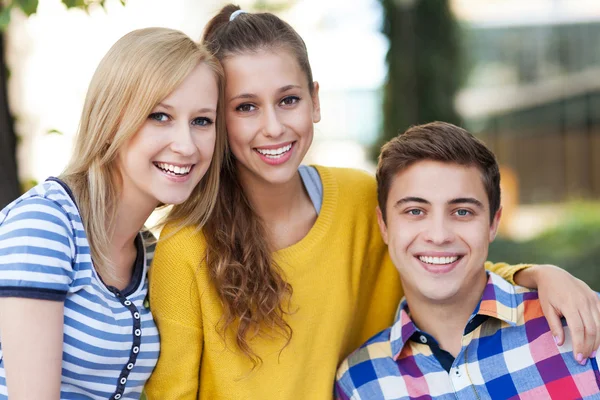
(498, 301)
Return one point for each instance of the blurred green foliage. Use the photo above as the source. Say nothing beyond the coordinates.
(29, 7)
(573, 245)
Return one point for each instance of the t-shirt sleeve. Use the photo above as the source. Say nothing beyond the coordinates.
(37, 250)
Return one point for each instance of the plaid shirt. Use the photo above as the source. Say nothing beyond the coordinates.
(508, 352)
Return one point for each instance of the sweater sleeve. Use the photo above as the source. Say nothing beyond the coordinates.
(175, 305)
(505, 270)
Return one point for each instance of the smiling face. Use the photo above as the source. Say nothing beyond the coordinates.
(169, 155)
(438, 230)
(269, 112)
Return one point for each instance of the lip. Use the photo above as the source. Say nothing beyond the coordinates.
(274, 146)
(276, 161)
(174, 178)
(439, 269)
(174, 163)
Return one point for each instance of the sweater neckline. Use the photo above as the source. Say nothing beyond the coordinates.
(323, 223)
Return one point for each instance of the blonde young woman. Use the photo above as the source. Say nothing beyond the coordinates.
(290, 273)
(74, 323)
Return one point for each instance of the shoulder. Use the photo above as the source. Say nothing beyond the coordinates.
(46, 207)
(353, 186)
(377, 347)
(374, 355)
(178, 250)
(348, 176)
(174, 237)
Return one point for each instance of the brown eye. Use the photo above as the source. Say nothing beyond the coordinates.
(245, 107)
(290, 100)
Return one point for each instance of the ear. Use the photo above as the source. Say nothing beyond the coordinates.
(495, 224)
(316, 103)
(382, 226)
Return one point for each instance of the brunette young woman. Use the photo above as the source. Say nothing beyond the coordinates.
(74, 321)
(290, 274)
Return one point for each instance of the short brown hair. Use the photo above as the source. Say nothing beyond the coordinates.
(437, 141)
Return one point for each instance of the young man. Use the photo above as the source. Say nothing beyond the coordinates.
(460, 332)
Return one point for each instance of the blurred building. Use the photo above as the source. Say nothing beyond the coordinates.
(533, 92)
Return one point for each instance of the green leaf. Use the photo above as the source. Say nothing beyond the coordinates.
(28, 6)
(75, 4)
(5, 16)
(54, 132)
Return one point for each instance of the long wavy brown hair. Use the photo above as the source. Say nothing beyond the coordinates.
(252, 287)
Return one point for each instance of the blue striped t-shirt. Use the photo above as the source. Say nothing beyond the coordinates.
(110, 344)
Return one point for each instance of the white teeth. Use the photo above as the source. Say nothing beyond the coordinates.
(438, 260)
(275, 153)
(174, 169)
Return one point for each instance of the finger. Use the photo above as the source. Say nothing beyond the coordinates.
(596, 314)
(591, 332)
(577, 329)
(553, 318)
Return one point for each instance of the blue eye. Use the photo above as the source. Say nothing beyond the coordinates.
(463, 213)
(415, 212)
(202, 121)
(290, 100)
(159, 117)
(245, 107)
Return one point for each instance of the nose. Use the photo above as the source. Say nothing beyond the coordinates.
(272, 124)
(182, 140)
(439, 231)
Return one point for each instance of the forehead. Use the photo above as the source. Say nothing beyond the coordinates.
(437, 182)
(202, 79)
(251, 72)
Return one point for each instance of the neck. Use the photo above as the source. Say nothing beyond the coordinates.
(131, 214)
(274, 202)
(285, 208)
(446, 319)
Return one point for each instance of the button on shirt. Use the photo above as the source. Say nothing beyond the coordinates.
(507, 352)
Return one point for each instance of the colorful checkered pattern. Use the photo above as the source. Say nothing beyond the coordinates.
(511, 354)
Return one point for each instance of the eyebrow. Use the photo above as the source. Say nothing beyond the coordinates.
(411, 199)
(458, 200)
(467, 200)
(199, 111)
(282, 89)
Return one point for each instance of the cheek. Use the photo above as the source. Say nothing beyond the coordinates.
(303, 121)
(206, 144)
(401, 236)
(476, 235)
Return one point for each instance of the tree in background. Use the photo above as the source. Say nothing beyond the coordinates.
(424, 65)
(10, 188)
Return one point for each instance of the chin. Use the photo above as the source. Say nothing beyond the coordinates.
(439, 293)
(282, 176)
(174, 199)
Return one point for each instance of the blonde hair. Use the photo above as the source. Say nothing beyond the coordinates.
(139, 71)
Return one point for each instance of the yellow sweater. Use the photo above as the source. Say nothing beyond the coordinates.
(345, 290)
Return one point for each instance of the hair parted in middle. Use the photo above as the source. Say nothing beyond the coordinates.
(252, 287)
(136, 74)
(437, 141)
